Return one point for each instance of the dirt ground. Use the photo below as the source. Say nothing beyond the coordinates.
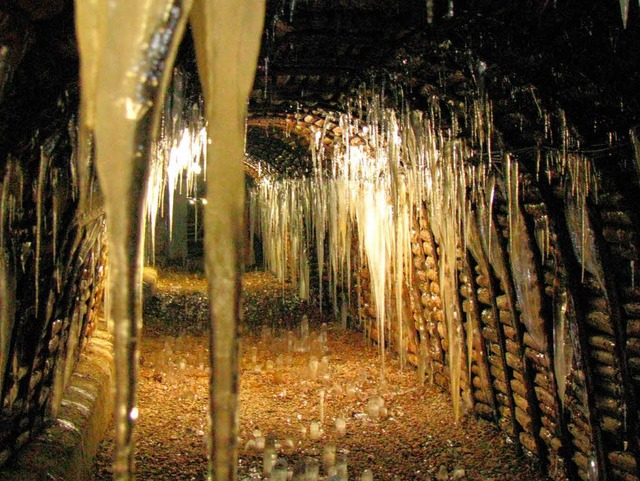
(292, 390)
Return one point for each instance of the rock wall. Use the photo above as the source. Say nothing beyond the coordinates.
(550, 317)
(52, 254)
(570, 403)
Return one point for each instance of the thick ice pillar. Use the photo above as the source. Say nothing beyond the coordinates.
(126, 51)
(227, 35)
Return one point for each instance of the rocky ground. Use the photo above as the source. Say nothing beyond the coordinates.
(296, 392)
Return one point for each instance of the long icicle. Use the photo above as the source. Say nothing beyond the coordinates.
(227, 36)
(125, 85)
(90, 19)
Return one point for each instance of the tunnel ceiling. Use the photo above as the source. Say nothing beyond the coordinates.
(571, 55)
(316, 54)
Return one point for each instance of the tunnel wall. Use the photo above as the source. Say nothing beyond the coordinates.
(52, 253)
(560, 379)
(570, 403)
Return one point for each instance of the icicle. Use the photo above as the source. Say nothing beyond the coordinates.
(407, 165)
(123, 80)
(178, 155)
(562, 347)
(635, 141)
(266, 79)
(7, 275)
(582, 239)
(42, 169)
(522, 261)
(429, 12)
(375, 227)
(624, 12)
(292, 9)
(90, 18)
(227, 38)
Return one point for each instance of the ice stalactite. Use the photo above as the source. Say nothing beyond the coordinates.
(8, 196)
(562, 344)
(283, 226)
(227, 37)
(402, 276)
(374, 228)
(624, 11)
(369, 191)
(523, 267)
(576, 175)
(635, 140)
(42, 170)
(124, 76)
(319, 205)
(292, 9)
(90, 18)
(583, 239)
(430, 11)
(392, 165)
(178, 155)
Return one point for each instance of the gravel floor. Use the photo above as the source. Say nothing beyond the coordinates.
(283, 380)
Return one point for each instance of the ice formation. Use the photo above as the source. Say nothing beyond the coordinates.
(388, 166)
(124, 74)
(124, 77)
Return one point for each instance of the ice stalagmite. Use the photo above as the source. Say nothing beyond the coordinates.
(227, 36)
(125, 49)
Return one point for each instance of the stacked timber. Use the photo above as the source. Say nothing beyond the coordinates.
(481, 395)
(608, 385)
(524, 361)
(431, 302)
(53, 269)
(419, 276)
(563, 287)
(484, 400)
(616, 337)
(559, 382)
(33, 385)
(502, 361)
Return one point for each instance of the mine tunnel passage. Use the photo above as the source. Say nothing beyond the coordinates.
(310, 396)
(459, 185)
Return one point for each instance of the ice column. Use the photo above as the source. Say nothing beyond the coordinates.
(124, 48)
(227, 36)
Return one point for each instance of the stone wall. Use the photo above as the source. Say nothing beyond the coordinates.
(569, 403)
(52, 253)
(561, 379)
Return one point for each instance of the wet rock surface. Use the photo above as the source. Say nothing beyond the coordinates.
(294, 387)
